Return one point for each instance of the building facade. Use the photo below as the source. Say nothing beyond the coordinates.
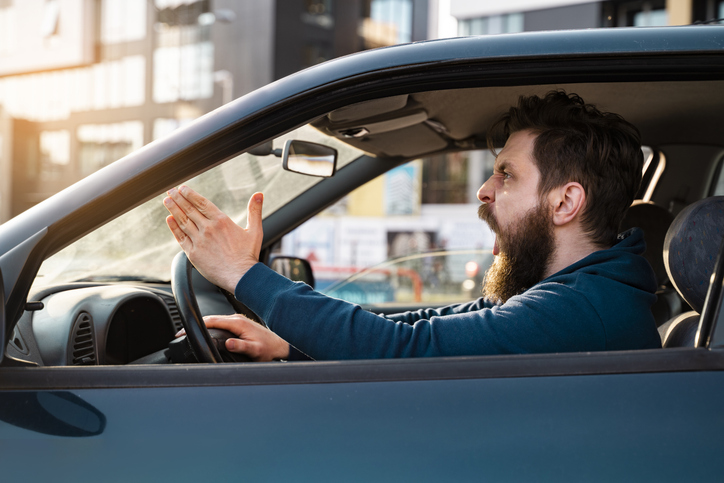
(85, 82)
(481, 18)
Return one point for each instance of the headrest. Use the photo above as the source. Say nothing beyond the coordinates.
(691, 247)
(654, 220)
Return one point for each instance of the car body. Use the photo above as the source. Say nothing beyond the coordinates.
(628, 415)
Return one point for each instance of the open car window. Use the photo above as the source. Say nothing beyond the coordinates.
(383, 247)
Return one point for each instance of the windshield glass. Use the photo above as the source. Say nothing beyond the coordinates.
(139, 246)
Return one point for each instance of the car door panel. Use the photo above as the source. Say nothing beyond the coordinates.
(560, 428)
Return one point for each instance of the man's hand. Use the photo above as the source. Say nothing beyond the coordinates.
(220, 249)
(257, 342)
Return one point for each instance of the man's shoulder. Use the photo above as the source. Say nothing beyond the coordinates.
(621, 266)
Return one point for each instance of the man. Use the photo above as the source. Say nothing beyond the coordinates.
(561, 280)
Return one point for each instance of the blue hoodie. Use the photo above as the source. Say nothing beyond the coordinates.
(599, 303)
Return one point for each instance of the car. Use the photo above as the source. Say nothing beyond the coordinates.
(89, 304)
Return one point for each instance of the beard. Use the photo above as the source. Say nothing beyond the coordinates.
(525, 250)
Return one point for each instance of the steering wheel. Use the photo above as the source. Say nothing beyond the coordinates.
(198, 335)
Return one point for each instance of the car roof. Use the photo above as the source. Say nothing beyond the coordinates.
(665, 112)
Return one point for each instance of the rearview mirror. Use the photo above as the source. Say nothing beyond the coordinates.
(308, 158)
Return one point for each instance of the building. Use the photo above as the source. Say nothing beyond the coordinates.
(481, 18)
(85, 82)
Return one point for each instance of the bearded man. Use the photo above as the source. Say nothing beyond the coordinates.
(563, 280)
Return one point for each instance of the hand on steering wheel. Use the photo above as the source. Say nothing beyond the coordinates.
(244, 339)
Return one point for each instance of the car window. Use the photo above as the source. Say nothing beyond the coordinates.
(139, 246)
(432, 278)
(350, 245)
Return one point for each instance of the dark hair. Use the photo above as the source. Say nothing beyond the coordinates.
(577, 142)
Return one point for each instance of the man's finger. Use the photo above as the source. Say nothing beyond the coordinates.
(181, 237)
(183, 222)
(254, 222)
(253, 219)
(239, 346)
(201, 204)
(187, 207)
(233, 323)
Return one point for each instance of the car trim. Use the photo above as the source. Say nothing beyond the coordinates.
(424, 369)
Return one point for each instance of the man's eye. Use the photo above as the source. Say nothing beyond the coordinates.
(505, 175)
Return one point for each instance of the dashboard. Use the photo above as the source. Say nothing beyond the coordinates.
(104, 323)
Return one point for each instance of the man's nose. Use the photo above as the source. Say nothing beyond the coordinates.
(486, 193)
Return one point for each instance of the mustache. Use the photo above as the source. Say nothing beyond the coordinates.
(486, 214)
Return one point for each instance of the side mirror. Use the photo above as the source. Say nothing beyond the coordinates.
(309, 158)
(59, 413)
(295, 269)
(265, 149)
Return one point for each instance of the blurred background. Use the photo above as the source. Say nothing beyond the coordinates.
(85, 82)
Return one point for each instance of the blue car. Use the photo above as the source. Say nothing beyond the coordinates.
(94, 385)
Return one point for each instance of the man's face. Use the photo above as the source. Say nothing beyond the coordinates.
(519, 217)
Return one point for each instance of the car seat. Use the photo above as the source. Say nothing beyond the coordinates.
(655, 220)
(690, 252)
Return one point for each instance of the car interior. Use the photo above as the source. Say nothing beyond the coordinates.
(679, 120)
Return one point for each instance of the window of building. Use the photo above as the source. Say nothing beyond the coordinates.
(646, 13)
(386, 22)
(708, 10)
(181, 12)
(456, 177)
(183, 73)
(54, 152)
(51, 13)
(183, 63)
(650, 18)
(7, 29)
(123, 20)
(318, 7)
(53, 96)
(495, 24)
(102, 144)
(445, 179)
(319, 13)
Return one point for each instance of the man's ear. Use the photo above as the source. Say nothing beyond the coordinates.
(567, 202)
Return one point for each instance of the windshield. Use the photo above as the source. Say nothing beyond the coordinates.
(139, 246)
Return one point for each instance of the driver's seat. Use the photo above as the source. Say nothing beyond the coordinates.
(690, 250)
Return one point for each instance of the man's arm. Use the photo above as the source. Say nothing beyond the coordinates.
(328, 328)
(425, 314)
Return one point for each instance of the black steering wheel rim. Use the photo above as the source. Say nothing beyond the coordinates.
(191, 318)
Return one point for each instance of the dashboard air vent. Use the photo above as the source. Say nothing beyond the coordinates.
(173, 310)
(83, 340)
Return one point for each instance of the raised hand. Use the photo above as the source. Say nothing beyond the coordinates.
(221, 250)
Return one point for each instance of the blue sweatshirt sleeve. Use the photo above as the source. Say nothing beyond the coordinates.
(422, 314)
(328, 328)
